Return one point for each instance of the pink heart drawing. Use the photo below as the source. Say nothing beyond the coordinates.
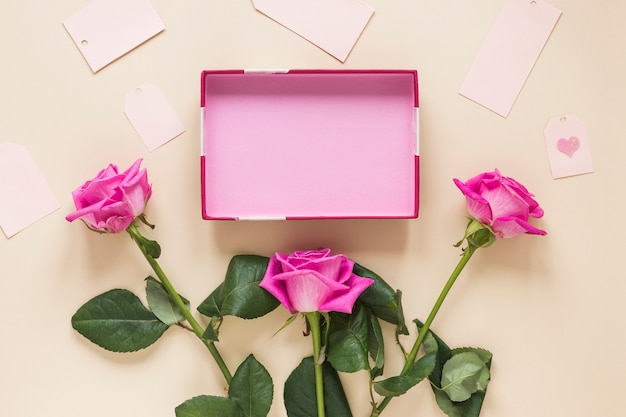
(568, 146)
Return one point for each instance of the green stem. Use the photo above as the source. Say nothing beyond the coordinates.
(410, 359)
(314, 324)
(195, 326)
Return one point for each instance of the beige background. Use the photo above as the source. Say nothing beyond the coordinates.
(550, 309)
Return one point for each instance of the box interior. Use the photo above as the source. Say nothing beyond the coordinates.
(309, 145)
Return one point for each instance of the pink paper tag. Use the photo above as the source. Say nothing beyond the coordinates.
(152, 116)
(509, 53)
(568, 146)
(25, 196)
(333, 25)
(107, 29)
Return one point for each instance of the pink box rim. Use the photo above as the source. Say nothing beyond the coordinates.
(227, 95)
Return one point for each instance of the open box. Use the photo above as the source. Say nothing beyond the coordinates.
(302, 144)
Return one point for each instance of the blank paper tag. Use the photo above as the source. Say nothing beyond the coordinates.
(568, 146)
(25, 196)
(152, 116)
(107, 29)
(509, 53)
(333, 25)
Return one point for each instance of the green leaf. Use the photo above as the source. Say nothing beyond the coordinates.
(209, 307)
(381, 299)
(375, 345)
(209, 332)
(117, 321)
(464, 374)
(299, 392)
(398, 385)
(348, 341)
(422, 367)
(240, 295)
(208, 406)
(287, 322)
(252, 388)
(483, 354)
(468, 408)
(161, 304)
(151, 247)
(440, 348)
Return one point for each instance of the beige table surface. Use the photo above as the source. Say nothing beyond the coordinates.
(550, 309)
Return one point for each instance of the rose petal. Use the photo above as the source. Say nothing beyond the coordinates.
(307, 291)
(96, 191)
(132, 170)
(272, 285)
(300, 259)
(343, 302)
(284, 262)
(328, 266)
(137, 192)
(345, 270)
(475, 183)
(86, 213)
(118, 224)
(300, 290)
(533, 206)
(503, 202)
(477, 206)
(506, 227)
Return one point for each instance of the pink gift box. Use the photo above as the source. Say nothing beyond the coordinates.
(309, 144)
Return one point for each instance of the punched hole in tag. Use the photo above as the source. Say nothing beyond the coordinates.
(533, 3)
(84, 42)
(138, 91)
(563, 119)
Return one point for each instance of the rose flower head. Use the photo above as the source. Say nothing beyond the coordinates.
(501, 203)
(111, 201)
(309, 281)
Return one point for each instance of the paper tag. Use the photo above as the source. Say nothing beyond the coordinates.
(568, 146)
(105, 30)
(152, 116)
(25, 196)
(509, 53)
(332, 25)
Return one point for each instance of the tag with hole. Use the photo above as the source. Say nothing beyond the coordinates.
(568, 146)
(152, 116)
(25, 196)
(105, 30)
(508, 54)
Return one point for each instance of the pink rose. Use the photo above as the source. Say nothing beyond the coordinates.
(309, 281)
(111, 201)
(501, 203)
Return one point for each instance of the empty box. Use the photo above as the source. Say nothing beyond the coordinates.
(309, 144)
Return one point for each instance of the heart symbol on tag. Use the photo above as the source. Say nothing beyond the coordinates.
(568, 146)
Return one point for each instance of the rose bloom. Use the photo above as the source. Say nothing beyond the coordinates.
(111, 201)
(501, 203)
(309, 281)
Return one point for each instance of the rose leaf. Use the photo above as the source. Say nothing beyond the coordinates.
(464, 374)
(208, 406)
(117, 321)
(161, 304)
(299, 392)
(252, 388)
(348, 341)
(239, 294)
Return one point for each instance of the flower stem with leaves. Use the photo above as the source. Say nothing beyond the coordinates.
(477, 236)
(150, 251)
